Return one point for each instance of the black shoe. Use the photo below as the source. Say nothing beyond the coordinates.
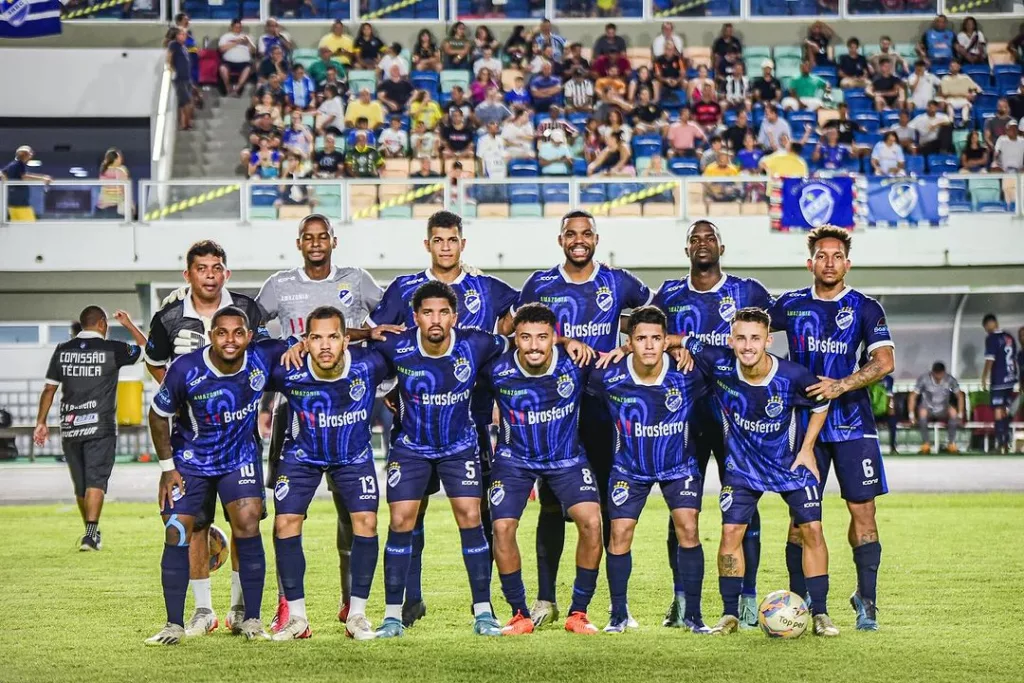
(89, 544)
(413, 612)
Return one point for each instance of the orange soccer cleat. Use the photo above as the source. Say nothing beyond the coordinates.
(518, 626)
(579, 623)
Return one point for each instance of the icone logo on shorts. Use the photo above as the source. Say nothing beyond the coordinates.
(176, 494)
(257, 380)
(394, 474)
(620, 492)
(844, 318)
(357, 389)
(345, 295)
(281, 488)
(497, 493)
(725, 498)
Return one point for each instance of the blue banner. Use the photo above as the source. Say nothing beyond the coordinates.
(29, 18)
(807, 203)
(911, 200)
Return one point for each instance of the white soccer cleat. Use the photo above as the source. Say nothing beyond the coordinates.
(203, 621)
(630, 621)
(358, 627)
(171, 634)
(234, 619)
(726, 625)
(297, 628)
(823, 626)
(253, 629)
(543, 612)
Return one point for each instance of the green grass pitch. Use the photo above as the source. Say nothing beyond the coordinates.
(950, 587)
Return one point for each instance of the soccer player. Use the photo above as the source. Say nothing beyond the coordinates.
(538, 389)
(651, 402)
(483, 301)
(214, 396)
(703, 304)
(999, 376)
(331, 401)
(769, 442)
(86, 368)
(588, 299)
(181, 326)
(826, 326)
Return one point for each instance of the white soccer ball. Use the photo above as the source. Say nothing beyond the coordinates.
(783, 614)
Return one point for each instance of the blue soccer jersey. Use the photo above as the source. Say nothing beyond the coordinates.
(330, 419)
(827, 338)
(1001, 349)
(708, 315)
(214, 430)
(588, 311)
(539, 414)
(763, 424)
(652, 441)
(434, 391)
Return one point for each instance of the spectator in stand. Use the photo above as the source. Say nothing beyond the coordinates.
(643, 80)
(656, 169)
(696, 85)
(670, 71)
(611, 91)
(483, 85)
(545, 89)
(490, 150)
(1016, 49)
(958, 91)
(339, 43)
(395, 92)
(458, 101)
(516, 52)
(457, 137)
(975, 156)
(736, 92)
(707, 112)
(886, 53)
(267, 105)
(183, 21)
(261, 128)
(518, 95)
(936, 45)
(491, 110)
(546, 37)
(393, 57)
(334, 81)
(547, 56)
(616, 126)
(971, 46)
(265, 162)
(275, 63)
(574, 60)
(291, 192)
(482, 40)
(179, 61)
(300, 90)
(424, 171)
(593, 141)
(996, 125)
(362, 125)
(853, 67)
(424, 142)
(785, 162)
(488, 61)
(456, 173)
(805, 91)
(734, 135)
(931, 401)
(556, 121)
(554, 155)
(613, 58)
(518, 133)
(330, 116)
(425, 55)
(830, 154)
(749, 157)
(905, 135)
(766, 89)
(274, 35)
(845, 126)
(721, 167)
(1016, 102)
(318, 69)
(236, 50)
(456, 48)
(394, 143)
(365, 107)
(274, 86)
(725, 41)
(923, 86)
(726, 66)
(666, 36)
(1008, 155)
(297, 139)
(648, 116)
(329, 162)
(683, 135)
(934, 131)
(368, 47)
(362, 160)
(111, 201)
(888, 91)
(610, 41)
(613, 159)
(424, 109)
(708, 156)
(579, 92)
(773, 129)
(816, 44)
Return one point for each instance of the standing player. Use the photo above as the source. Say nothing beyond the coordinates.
(331, 401)
(703, 304)
(651, 402)
(769, 443)
(181, 326)
(538, 388)
(999, 376)
(588, 300)
(86, 368)
(214, 396)
(826, 326)
(483, 300)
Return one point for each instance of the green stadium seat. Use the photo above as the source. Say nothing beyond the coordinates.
(318, 144)
(753, 54)
(526, 211)
(789, 52)
(451, 78)
(908, 51)
(359, 79)
(328, 205)
(305, 53)
(960, 140)
(309, 121)
(469, 211)
(263, 213)
(399, 212)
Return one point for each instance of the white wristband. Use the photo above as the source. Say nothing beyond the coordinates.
(167, 465)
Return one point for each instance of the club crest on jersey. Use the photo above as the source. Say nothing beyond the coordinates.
(816, 204)
(620, 493)
(394, 474)
(497, 493)
(844, 318)
(357, 389)
(281, 488)
(565, 386)
(673, 400)
(471, 299)
(727, 308)
(903, 198)
(345, 295)
(604, 299)
(187, 455)
(257, 380)
(462, 369)
(775, 407)
(725, 498)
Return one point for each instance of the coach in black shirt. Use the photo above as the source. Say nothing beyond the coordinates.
(766, 88)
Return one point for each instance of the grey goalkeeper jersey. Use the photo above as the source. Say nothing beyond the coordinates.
(290, 296)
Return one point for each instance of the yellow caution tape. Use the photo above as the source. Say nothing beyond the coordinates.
(671, 11)
(967, 6)
(398, 201)
(377, 14)
(191, 202)
(633, 197)
(99, 7)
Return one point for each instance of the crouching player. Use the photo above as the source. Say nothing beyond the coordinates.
(769, 443)
(650, 401)
(538, 389)
(331, 401)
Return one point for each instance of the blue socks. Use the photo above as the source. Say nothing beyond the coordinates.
(691, 575)
(550, 541)
(730, 588)
(817, 586)
(619, 567)
(291, 566)
(514, 590)
(364, 561)
(397, 557)
(477, 557)
(672, 543)
(795, 565)
(867, 558)
(751, 554)
(413, 583)
(585, 585)
(174, 578)
(252, 570)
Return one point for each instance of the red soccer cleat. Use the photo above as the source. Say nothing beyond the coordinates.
(343, 613)
(281, 618)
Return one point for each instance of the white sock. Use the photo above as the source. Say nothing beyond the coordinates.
(393, 612)
(358, 606)
(297, 608)
(481, 608)
(236, 590)
(201, 592)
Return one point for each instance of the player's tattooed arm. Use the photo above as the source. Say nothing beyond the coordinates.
(882, 363)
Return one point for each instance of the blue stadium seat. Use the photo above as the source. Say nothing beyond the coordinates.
(426, 80)
(489, 194)
(579, 167)
(852, 165)
(264, 195)
(673, 99)
(890, 117)
(684, 166)
(857, 103)
(827, 74)
(870, 120)
(797, 119)
(524, 193)
(980, 74)
(593, 193)
(915, 164)
(942, 163)
(579, 119)
(539, 119)
(555, 193)
(646, 145)
(729, 117)
(1007, 78)
(992, 207)
(523, 168)
(847, 92)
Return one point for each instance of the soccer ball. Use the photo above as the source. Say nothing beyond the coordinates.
(218, 548)
(783, 615)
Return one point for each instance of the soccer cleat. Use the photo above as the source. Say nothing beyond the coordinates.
(203, 621)
(543, 612)
(518, 626)
(252, 629)
(296, 628)
(578, 622)
(616, 626)
(171, 634)
(823, 626)
(674, 614)
(486, 625)
(952, 449)
(726, 625)
(390, 628)
(281, 617)
(867, 613)
(748, 612)
(925, 449)
(696, 625)
(358, 627)
(630, 621)
(89, 544)
(233, 621)
(343, 612)
(413, 612)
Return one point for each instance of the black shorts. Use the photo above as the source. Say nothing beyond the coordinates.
(236, 68)
(184, 91)
(90, 462)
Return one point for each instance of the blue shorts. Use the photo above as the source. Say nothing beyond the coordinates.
(297, 482)
(511, 485)
(628, 496)
(409, 474)
(738, 503)
(245, 482)
(859, 468)
(1001, 398)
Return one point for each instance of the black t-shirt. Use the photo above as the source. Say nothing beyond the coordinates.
(570, 64)
(669, 67)
(329, 163)
(1016, 106)
(885, 83)
(766, 90)
(268, 69)
(647, 113)
(368, 48)
(846, 128)
(721, 45)
(821, 54)
(458, 139)
(398, 92)
(733, 136)
(86, 368)
(973, 154)
(853, 66)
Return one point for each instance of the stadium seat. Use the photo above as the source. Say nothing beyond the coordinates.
(915, 164)
(579, 167)
(789, 52)
(1007, 78)
(492, 210)
(753, 55)
(555, 209)
(827, 74)
(890, 117)
(697, 55)
(638, 56)
(263, 195)
(451, 78)
(980, 74)
(426, 80)
(659, 210)
(684, 166)
(646, 145)
(960, 140)
(555, 193)
(517, 210)
(870, 120)
(593, 193)
(263, 213)
(524, 193)
(358, 79)
(523, 168)
(942, 163)
(797, 119)
(397, 212)
(858, 103)
(579, 119)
